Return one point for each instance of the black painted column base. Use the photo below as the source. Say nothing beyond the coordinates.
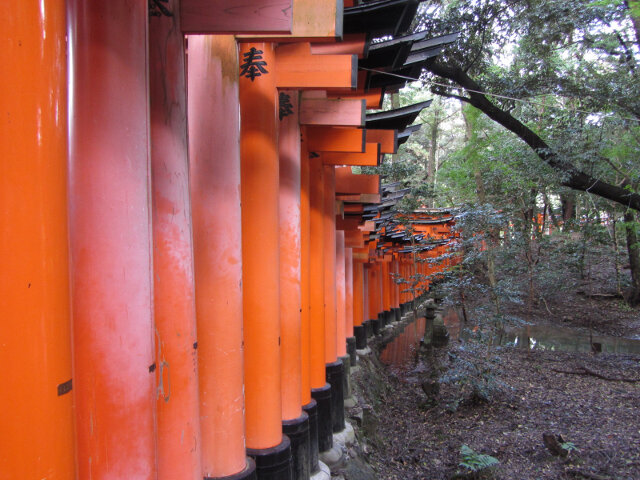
(397, 314)
(351, 350)
(273, 463)
(249, 473)
(325, 427)
(335, 372)
(360, 332)
(298, 432)
(311, 409)
(369, 326)
(375, 324)
(346, 374)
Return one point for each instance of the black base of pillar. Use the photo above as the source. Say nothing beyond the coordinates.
(360, 331)
(298, 432)
(346, 374)
(335, 372)
(398, 314)
(375, 325)
(369, 325)
(311, 409)
(273, 463)
(382, 319)
(249, 473)
(351, 350)
(325, 429)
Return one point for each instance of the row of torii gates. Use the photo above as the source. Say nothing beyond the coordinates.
(187, 258)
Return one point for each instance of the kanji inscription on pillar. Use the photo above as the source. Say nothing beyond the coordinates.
(253, 65)
(286, 108)
(157, 9)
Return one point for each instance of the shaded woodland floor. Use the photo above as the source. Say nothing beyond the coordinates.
(503, 404)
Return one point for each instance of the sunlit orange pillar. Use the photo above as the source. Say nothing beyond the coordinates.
(320, 389)
(309, 405)
(110, 238)
(295, 422)
(174, 296)
(359, 330)
(374, 286)
(214, 149)
(260, 257)
(386, 291)
(35, 335)
(351, 339)
(366, 299)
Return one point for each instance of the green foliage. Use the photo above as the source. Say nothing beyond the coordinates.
(476, 462)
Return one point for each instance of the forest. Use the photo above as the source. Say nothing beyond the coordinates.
(533, 141)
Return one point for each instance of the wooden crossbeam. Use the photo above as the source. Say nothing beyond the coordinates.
(351, 44)
(369, 158)
(349, 183)
(348, 223)
(236, 16)
(298, 68)
(335, 139)
(388, 139)
(319, 111)
(372, 97)
(313, 20)
(361, 198)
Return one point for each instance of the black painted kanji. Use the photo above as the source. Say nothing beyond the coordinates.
(253, 65)
(157, 9)
(286, 108)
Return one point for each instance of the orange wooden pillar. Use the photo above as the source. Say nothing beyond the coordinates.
(386, 291)
(374, 294)
(214, 146)
(178, 419)
(310, 406)
(35, 335)
(295, 422)
(395, 265)
(349, 304)
(320, 389)
(335, 368)
(359, 329)
(341, 306)
(260, 259)
(110, 238)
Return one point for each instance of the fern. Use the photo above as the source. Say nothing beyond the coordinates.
(474, 461)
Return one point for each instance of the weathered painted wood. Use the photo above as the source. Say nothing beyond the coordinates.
(313, 20)
(349, 183)
(361, 198)
(388, 139)
(372, 97)
(236, 16)
(351, 44)
(332, 112)
(369, 158)
(298, 68)
(335, 139)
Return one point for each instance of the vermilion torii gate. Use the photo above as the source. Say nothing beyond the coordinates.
(176, 220)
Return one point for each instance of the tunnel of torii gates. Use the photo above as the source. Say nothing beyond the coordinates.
(187, 258)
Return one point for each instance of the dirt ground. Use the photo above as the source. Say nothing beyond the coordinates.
(504, 406)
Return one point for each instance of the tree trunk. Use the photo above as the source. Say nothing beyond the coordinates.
(573, 178)
(633, 248)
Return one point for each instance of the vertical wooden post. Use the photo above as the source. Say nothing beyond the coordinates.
(260, 257)
(341, 307)
(174, 289)
(110, 237)
(329, 232)
(351, 341)
(359, 329)
(295, 422)
(35, 346)
(214, 146)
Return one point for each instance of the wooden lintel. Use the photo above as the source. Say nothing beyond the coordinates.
(388, 139)
(372, 97)
(348, 223)
(353, 208)
(369, 226)
(298, 68)
(361, 198)
(313, 20)
(346, 113)
(355, 239)
(355, 44)
(349, 183)
(236, 16)
(335, 139)
(369, 158)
